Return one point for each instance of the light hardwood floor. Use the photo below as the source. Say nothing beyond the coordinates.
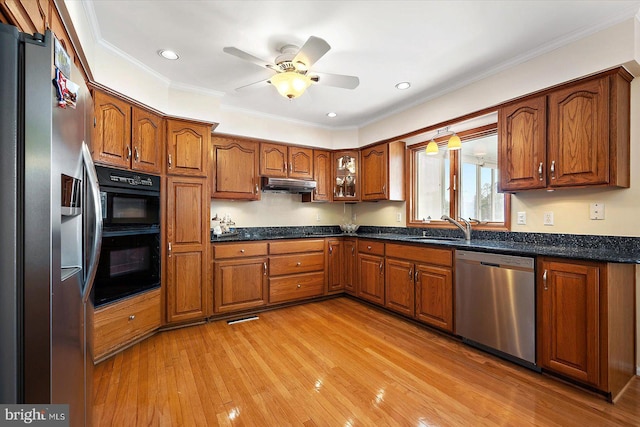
(334, 363)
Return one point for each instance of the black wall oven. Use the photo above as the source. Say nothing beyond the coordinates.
(130, 249)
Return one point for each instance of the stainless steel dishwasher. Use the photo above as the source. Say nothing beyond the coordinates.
(495, 304)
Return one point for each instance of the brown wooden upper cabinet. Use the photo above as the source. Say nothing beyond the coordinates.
(383, 172)
(30, 16)
(322, 177)
(235, 168)
(282, 161)
(187, 147)
(345, 180)
(573, 136)
(126, 136)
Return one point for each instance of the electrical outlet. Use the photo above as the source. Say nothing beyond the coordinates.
(596, 211)
(318, 217)
(548, 218)
(522, 218)
(398, 216)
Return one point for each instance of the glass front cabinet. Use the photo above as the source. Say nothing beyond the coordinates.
(346, 178)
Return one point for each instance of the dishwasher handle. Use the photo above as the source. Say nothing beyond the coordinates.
(490, 264)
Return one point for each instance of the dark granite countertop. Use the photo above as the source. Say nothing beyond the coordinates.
(594, 248)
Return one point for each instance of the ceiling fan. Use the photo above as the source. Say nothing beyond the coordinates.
(292, 68)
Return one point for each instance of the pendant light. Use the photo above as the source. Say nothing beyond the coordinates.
(454, 142)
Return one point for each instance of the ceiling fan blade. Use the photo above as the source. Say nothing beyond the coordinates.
(253, 85)
(312, 50)
(248, 57)
(336, 80)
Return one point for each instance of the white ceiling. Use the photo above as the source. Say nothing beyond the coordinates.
(436, 45)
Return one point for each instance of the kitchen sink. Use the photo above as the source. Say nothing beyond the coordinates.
(437, 238)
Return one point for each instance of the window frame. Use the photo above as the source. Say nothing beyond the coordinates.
(454, 177)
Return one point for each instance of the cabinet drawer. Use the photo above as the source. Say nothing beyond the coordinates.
(293, 246)
(371, 247)
(428, 255)
(297, 263)
(294, 287)
(239, 250)
(120, 323)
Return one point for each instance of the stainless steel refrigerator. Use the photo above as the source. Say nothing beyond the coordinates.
(50, 225)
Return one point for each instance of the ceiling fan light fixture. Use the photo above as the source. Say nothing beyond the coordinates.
(290, 84)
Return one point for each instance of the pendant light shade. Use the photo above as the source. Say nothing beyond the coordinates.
(290, 84)
(432, 148)
(454, 142)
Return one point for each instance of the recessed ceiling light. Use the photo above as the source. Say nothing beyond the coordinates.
(403, 85)
(168, 54)
(332, 114)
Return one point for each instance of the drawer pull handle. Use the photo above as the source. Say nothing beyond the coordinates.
(410, 273)
(330, 250)
(299, 285)
(369, 247)
(133, 316)
(544, 280)
(128, 152)
(553, 169)
(265, 268)
(241, 251)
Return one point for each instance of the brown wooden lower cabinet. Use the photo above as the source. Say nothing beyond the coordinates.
(586, 321)
(419, 283)
(335, 265)
(296, 270)
(122, 323)
(400, 286)
(239, 276)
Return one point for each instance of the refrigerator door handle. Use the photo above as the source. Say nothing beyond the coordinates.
(97, 235)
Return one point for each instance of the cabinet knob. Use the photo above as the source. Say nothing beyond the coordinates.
(133, 316)
(299, 286)
(241, 251)
(369, 247)
(298, 264)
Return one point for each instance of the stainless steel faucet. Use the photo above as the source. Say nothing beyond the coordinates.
(466, 229)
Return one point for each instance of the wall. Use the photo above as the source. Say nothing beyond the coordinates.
(276, 209)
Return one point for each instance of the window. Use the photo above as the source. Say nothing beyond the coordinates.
(461, 183)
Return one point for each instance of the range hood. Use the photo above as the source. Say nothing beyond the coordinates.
(287, 185)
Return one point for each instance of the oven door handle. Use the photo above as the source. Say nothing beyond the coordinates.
(94, 192)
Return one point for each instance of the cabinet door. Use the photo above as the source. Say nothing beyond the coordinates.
(345, 180)
(336, 265)
(187, 148)
(375, 176)
(112, 131)
(570, 331)
(522, 145)
(350, 266)
(188, 240)
(240, 284)
(579, 134)
(399, 286)
(371, 278)
(30, 16)
(273, 160)
(322, 176)
(235, 170)
(147, 138)
(434, 296)
(300, 163)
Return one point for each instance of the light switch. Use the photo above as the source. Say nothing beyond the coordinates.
(596, 211)
(522, 218)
